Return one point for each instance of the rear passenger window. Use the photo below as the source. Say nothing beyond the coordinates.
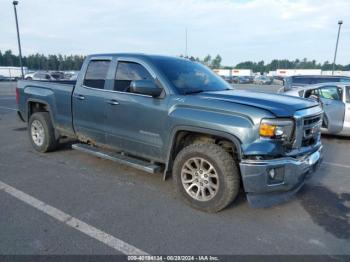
(96, 74)
(127, 72)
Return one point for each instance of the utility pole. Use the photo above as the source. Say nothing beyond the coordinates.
(15, 3)
(340, 22)
(186, 54)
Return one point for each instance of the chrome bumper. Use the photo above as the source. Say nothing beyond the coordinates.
(289, 175)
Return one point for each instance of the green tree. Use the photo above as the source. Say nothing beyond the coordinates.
(216, 62)
(207, 60)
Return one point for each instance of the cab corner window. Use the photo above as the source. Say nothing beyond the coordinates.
(127, 72)
(96, 74)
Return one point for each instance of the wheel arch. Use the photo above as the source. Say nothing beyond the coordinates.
(181, 132)
(35, 105)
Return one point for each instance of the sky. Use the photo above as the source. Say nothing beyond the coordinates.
(238, 30)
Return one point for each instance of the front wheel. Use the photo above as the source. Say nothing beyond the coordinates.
(41, 132)
(206, 177)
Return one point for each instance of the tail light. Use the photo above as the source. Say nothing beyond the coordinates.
(17, 95)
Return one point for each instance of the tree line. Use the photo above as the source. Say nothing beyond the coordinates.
(74, 62)
(43, 62)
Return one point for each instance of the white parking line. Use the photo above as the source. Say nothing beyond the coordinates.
(73, 222)
(335, 164)
(8, 108)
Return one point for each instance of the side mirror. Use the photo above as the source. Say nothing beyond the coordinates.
(145, 87)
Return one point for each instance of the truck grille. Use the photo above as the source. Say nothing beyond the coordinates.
(308, 126)
(311, 129)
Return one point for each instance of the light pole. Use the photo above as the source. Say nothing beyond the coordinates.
(186, 54)
(18, 38)
(340, 22)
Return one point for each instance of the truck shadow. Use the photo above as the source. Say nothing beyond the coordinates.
(327, 209)
(335, 137)
(20, 129)
(66, 145)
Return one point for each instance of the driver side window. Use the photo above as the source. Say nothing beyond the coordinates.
(127, 72)
(331, 92)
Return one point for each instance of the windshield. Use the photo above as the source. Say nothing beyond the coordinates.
(190, 77)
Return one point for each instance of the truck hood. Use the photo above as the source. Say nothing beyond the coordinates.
(279, 105)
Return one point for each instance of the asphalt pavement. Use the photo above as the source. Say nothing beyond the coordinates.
(67, 202)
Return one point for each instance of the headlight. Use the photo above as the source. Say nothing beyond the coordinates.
(276, 128)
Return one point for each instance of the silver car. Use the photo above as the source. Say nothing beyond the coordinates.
(335, 99)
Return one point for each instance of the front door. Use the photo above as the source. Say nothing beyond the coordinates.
(334, 108)
(135, 123)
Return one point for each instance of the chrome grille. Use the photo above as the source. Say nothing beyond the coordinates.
(311, 129)
(308, 124)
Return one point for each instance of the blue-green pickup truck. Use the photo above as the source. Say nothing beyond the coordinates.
(176, 117)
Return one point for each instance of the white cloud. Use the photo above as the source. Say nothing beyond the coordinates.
(238, 30)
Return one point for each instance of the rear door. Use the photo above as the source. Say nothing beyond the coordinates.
(89, 102)
(334, 107)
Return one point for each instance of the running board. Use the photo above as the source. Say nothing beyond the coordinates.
(118, 157)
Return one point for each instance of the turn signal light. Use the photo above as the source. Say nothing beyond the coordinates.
(267, 130)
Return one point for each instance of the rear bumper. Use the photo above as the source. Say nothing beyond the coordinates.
(289, 176)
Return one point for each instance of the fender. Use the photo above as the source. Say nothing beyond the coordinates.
(208, 131)
(35, 100)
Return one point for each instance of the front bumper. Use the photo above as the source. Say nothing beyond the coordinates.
(290, 175)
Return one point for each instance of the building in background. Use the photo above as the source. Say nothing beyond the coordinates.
(233, 72)
(336, 73)
(12, 72)
(295, 72)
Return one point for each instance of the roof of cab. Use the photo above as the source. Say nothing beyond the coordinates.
(136, 55)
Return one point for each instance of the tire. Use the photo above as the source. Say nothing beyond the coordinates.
(40, 125)
(29, 78)
(227, 180)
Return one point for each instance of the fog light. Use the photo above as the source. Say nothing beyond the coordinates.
(275, 175)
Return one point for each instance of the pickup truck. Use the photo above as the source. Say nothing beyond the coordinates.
(174, 116)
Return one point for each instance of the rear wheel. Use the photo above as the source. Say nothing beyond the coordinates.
(41, 132)
(206, 177)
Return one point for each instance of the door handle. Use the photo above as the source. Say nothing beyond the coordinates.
(113, 102)
(80, 97)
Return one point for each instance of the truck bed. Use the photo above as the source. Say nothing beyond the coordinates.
(57, 95)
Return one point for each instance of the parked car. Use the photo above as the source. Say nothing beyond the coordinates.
(2, 78)
(57, 75)
(263, 80)
(173, 115)
(71, 75)
(302, 80)
(44, 76)
(335, 98)
(244, 80)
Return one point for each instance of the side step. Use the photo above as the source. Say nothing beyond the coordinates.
(118, 157)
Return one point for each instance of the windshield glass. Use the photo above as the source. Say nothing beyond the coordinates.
(190, 77)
